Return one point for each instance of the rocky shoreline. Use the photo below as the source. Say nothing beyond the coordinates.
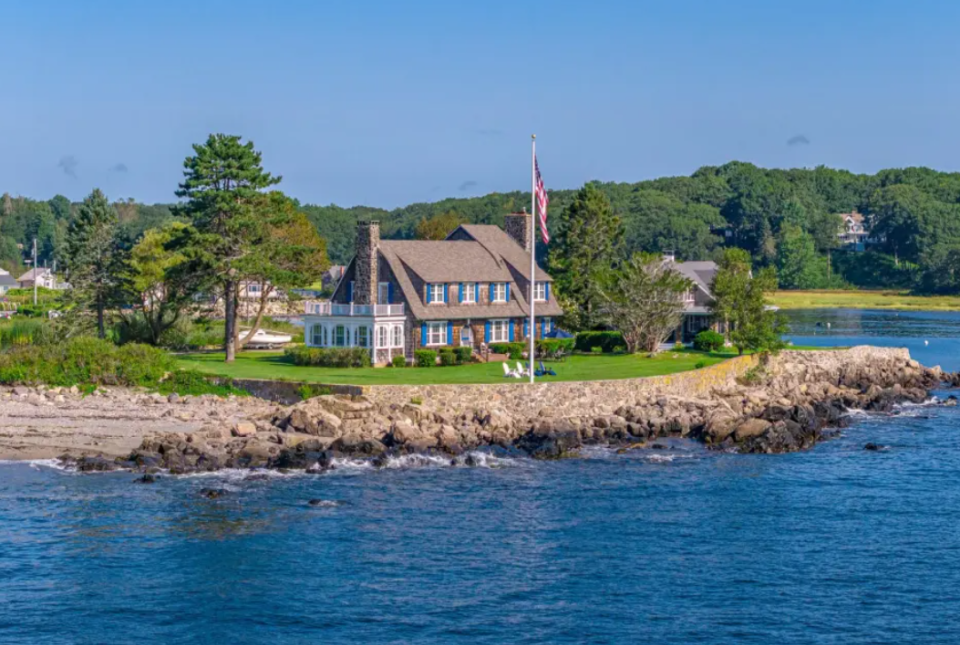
(789, 403)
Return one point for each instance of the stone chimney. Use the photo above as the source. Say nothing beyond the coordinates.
(519, 226)
(366, 268)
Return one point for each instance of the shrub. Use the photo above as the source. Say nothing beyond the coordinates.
(709, 341)
(24, 332)
(308, 391)
(425, 357)
(464, 354)
(399, 361)
(30, 310)
(448, 357)
(328, 357)
(607, 341)
(700, 365)
(513, 350)
(596, 350)
(84, 360)
(196, 383)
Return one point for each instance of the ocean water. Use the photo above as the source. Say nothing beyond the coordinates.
(681, 545)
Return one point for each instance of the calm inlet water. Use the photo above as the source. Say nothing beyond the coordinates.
(834, 545)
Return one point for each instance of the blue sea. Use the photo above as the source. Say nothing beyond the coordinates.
(834, 545)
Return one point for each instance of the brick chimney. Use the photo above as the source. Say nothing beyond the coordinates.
(366, 267)
(519, 226)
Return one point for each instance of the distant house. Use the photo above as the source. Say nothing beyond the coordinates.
(469, 290)
(43, 278)
(855, 232)
(697, 301)
(7, 282)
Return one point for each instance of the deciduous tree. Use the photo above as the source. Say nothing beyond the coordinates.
(741, 302)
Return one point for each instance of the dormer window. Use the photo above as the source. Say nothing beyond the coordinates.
(540, 292)
(436, 293)
(498, 292)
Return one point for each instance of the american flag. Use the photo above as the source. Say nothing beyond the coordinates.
(542, 202)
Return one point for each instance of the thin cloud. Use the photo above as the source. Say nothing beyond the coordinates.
(798, 140)
(488, 132)
(68, 165)
(120, 167)
(467, 185)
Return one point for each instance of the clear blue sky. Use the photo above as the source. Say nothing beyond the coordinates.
(386, 102)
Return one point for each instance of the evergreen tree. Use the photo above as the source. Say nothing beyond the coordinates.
(587, 242)
(222, 183)
(740, 301)
(799, 266)
(94, 258)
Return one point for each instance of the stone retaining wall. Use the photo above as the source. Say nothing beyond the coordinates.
(562, 398)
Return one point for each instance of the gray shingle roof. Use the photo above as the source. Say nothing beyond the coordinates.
(491, 256)
(6, 280)
(702, 273)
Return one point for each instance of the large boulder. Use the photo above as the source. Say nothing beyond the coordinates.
(358, 446)
(750, 428)
(550, 439)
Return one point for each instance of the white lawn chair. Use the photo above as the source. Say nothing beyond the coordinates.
(521, 370)
(508, 373)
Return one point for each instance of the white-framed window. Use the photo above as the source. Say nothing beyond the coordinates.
(319, 335)
(253, 288)
(435, 293)
(383, 293)
(499, 292)
(499, 331)
(382, 336)
(437, 333)
(540, 292)
(340, 336)
(397, 336)
(469, 293)
(362, 337)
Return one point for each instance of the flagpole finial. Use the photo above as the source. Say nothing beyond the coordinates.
(533, 136)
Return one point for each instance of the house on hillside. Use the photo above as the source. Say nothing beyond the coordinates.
(7, 282)
(43, 277)
(470, 290)
(855, 232)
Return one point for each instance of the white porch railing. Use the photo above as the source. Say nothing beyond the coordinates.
(339, 309)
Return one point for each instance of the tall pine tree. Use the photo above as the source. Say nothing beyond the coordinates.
(93, 257)
(222, 184)
(587, 242)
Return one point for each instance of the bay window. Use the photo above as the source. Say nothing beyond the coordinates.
(397, 336)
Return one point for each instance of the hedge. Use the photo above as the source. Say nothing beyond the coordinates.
(513, 350)
(399, 361)
(608, 341)
(328, 357)
(448, 357)
(424, 357)
(83, 360)
(709, 341)
(464, 354)
(552, 345)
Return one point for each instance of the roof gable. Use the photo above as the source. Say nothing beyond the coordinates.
(497, 242)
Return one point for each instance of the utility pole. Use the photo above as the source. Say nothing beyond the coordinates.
(35, 272)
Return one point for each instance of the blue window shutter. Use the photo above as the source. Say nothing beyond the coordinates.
(507, 290)
(461, 293)
(546, 290)
(446, 288)
(449, 333)
(389, 293)
(511, 325)
(350, 292)
(543, 328)
(526, 327)
(486, 332)
(490, 295)
(423, 334)
(428, 294)
(476, 292)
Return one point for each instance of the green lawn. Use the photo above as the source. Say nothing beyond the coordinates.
(272, 366)
(897, 300)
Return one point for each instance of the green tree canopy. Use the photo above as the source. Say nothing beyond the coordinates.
(740, 301)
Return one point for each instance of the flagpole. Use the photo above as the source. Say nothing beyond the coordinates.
(532, 228)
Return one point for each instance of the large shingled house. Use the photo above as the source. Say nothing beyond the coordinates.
(471, 289)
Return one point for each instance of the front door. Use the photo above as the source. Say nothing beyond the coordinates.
(466, 337)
